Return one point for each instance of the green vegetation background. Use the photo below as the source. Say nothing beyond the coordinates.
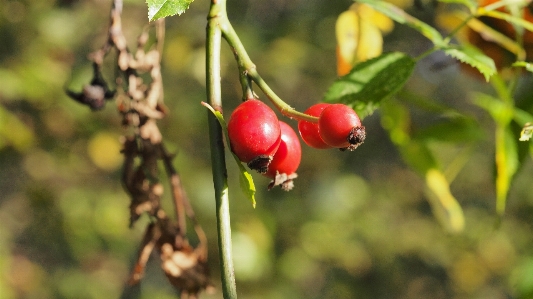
(357, 225)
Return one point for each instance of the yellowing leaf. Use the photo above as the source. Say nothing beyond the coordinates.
(384, 23)
(444, 204)
(358, 40)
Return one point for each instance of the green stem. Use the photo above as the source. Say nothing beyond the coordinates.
(218, 160)
(247, 69)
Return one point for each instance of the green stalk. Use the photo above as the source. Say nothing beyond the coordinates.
(247, 69)
(218, 159)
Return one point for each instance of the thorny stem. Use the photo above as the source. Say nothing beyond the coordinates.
(218, 161)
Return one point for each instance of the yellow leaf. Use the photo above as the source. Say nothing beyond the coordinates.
(444, 204)
(384, 23)
(358, 40)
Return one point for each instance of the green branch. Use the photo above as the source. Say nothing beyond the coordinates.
(218, 160)
(248, 70)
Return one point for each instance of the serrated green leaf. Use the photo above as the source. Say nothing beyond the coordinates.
(527, 65)
(369, 82)
(471, 4)
(400, 16)
(158, 9)
(245, 178)
(475, 58)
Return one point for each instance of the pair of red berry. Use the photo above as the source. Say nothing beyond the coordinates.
(338, 127)
(266, 144)
(272, 147)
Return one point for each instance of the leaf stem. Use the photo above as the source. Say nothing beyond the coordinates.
(218, 160)
(248, 70)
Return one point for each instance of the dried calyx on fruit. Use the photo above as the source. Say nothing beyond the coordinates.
(340, 127)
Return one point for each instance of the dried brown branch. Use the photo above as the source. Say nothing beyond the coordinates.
(140, 103)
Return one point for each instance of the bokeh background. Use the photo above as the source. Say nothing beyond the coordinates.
(357, 224)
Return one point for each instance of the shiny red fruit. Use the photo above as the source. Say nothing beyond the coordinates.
(283, 167)
(289, 154)
(339, 126)
(254, 134)
(309, 130)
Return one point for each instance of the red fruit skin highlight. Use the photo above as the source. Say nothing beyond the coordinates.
(254, 131)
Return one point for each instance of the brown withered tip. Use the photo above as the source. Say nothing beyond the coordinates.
(356, 137)
(260, 163)
(286, 182)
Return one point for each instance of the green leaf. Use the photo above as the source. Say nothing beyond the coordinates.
(369, 82)
(472, 56)
(163, 8)
(501, 112)
(245, 178)
(527, 65)
(400, 16)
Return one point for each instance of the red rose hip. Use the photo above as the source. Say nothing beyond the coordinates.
(340, 127)
(254, 134)
(309, 131)
(283, 167)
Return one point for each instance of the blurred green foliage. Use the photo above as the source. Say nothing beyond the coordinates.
(357, 225)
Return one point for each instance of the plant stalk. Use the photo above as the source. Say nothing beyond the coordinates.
(248, 69)
(218, 160)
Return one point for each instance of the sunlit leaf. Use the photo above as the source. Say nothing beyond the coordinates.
(400, 16)
(358, 39)
(507, 162)
(518, 21)
(444, 204)
(371, 81)
(164, 8)
(499, 110)
(245, 178)
(475, 58)
(527, 65)
(490, 34)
